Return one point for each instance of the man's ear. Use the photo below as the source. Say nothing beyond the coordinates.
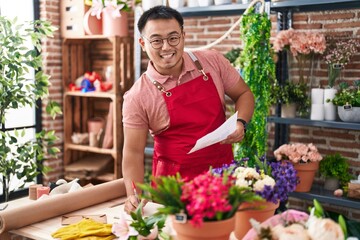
(142, 43)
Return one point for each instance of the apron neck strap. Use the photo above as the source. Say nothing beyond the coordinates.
(197, 64)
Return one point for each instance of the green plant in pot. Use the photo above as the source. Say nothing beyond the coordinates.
(22, 158)
(348, 101)
(292, 93)
(335, 166)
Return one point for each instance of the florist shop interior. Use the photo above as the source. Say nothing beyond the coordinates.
(63, 131)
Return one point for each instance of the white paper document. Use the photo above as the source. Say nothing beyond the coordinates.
(219, 134)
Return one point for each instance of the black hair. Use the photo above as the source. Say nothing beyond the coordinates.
(159, 12)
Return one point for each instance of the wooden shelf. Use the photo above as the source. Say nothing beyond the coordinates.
(94, 53)
(109, 95)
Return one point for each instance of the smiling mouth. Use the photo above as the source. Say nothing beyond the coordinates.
(167, 56)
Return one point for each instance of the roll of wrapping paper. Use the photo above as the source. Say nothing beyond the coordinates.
(58, 205)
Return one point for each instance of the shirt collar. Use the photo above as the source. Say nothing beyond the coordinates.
(187, 67)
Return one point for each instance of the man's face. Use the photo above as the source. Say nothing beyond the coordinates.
(167, 59)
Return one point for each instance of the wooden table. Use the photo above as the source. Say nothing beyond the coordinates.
(42, 230)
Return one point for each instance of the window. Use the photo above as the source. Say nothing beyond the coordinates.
(25, 117)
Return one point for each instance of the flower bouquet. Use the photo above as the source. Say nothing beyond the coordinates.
(272, 181)
(207, 200)
(305, 158)
(302, 45)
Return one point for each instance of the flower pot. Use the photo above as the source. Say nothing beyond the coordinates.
(222, 2)
(288, 110)
(115, 26)
(329, 107)
(217, 230)
(146, 5)
(331, 184)
(306, 173)
(205, 3)
(242, 217)
(347, 114)
(176, 3)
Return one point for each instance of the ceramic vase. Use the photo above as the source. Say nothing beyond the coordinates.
(114, 26)
(331, 183)
(205, 3)
(329, 107)
(349, 114)
(260, 211)
(217, 230)
(306, 174)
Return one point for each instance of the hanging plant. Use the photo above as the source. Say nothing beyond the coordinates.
(258, 71)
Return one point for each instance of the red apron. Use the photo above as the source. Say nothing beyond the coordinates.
(195, 109)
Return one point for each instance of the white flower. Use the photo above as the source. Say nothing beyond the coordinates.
(292, 232)
(260, 184)
(123, 230)
(242, 182)
(324, 229)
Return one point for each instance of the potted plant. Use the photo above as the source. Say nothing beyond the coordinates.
(347, 100)
(270, 180)
(305, 158)
(335, 167)
(113, 14)
(21, 158)
(205, 205)
(292, 97)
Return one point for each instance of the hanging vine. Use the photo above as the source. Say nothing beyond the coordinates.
(258, 71)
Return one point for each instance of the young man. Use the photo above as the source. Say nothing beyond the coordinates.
(179, 99)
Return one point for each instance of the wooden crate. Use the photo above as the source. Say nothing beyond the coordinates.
(94, 53)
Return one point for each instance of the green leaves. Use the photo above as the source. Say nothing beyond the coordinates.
(258, 70)
(19, 157)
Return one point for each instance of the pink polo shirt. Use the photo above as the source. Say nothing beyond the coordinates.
(144, 106)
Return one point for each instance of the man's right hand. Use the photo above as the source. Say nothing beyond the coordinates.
(132, 202)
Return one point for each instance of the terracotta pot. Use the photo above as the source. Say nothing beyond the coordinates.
(218, 230)
(306, 173)
(115, 26)
(242, 218)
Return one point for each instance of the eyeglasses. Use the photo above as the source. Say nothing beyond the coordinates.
(157, 43)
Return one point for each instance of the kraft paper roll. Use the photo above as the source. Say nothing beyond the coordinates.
(57, 205)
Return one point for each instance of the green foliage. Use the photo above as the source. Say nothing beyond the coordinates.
(167, 192)
(257, 64)
(348, 94)
(144, 225)
(232, 55)
(335, 166)
(291, 92)
(20, 158)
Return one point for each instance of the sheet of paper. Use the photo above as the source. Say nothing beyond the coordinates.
(219, 134)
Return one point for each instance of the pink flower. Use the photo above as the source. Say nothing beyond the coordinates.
(123, 230)
(298, 152)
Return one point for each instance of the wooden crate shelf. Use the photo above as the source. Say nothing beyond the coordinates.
(94, 53)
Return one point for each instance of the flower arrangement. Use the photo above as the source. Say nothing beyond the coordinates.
(116, 6)
(293, 224)
(271, 180)
(338, 54)
(302, 45)
(298, 153)
(208, 197)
